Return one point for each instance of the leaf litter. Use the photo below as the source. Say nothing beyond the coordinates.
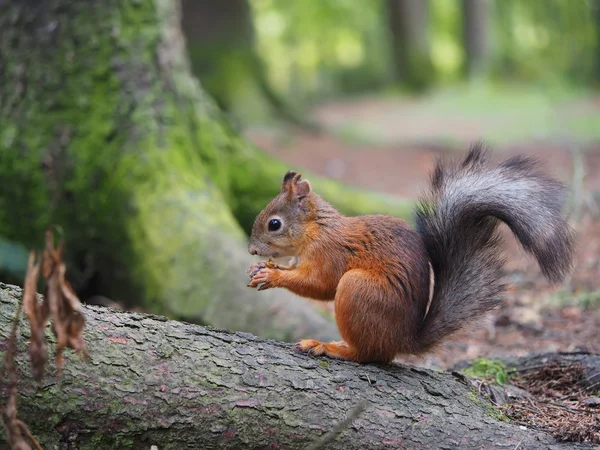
(562, 402)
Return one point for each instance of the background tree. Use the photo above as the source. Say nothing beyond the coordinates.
(475, 35)
(409, 30)
(221, 44)
(595, 7)
(220, 39)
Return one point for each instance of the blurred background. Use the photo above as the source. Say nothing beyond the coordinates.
(463, 57)
(340, 87)
(363, 95)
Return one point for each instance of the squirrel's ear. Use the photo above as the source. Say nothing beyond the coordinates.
(302, 189)
(295, 186)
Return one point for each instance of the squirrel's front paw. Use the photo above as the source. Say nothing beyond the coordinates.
(265, 277)
(254, 268)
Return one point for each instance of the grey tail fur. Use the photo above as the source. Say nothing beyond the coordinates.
(458, 221)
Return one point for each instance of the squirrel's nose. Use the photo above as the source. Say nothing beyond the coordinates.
(252, 249)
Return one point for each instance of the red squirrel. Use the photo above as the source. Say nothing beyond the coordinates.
(404, 291)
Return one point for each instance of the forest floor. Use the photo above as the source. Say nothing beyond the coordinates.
(535, 316)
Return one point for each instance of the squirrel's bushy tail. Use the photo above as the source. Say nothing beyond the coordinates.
(458, 221)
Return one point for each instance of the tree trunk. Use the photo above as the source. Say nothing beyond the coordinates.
(104, 132)
(175, 385)
(409, 22)
(595, 5)
(475, 36)
(221, 43)
(220, 38)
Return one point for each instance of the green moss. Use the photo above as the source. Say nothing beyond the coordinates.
(492, 411)
(113, 194)
(67, 125)
(489, 368)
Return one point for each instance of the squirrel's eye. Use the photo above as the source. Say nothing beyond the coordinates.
(274, 224)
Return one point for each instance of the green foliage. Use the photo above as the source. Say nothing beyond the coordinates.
(545, 39)
(447, 54)
(489, 368)
(313, 47)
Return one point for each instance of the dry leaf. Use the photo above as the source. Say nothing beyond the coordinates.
(37, 314)
(65, 309)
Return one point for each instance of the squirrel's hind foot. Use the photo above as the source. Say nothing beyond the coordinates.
(337, 349)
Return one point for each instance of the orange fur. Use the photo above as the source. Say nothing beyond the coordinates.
(380, 272)
(375, 268)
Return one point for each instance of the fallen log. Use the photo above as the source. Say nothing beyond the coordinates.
(150, 381)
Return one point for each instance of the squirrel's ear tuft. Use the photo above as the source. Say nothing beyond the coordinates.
(295, 185)
(288, 177)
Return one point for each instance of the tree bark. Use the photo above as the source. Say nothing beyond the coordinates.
(105, 132)
(175, 385)
(409, 23)
(475, 36)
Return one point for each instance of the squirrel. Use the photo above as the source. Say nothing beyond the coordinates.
(398, 290)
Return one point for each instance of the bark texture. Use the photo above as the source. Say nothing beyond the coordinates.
(175, 385)
(104, 131)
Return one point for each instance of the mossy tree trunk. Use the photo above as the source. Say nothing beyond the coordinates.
(175, 385)
(104, 132)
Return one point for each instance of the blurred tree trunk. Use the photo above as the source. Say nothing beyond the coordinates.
(220, 39)
(504, 22)
(475, 36)
(595, 4)
(221, 45)
(104, 132)
(409, 29)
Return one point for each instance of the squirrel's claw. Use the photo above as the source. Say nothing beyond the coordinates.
(265, 286)
(309, 346)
